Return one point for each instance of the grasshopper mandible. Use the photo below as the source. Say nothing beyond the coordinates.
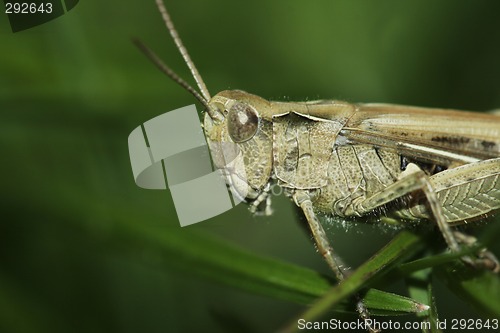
(334, 157)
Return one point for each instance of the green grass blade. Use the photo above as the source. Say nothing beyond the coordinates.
(220, 261)
(381, 303)
(435, 260)
(403, 245)
(420, 288)
(433, 314)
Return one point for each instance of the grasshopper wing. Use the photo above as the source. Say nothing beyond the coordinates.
(436, 136)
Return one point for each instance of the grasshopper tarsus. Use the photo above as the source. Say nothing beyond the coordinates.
(484, 259)
(365, 315)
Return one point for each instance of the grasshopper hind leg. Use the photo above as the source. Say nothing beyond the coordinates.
(468, 192)
(436, 191)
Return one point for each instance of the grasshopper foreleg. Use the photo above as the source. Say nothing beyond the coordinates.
(262, 204)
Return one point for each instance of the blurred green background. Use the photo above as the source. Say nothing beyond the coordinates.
(75, 249)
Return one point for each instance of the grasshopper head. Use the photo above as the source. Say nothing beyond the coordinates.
(240, 139)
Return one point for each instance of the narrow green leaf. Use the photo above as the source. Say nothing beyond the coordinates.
(433, 315)
(420, 288)
(403, 245)
(418, 284)
(207, 256)
(381, 303)
(435, 260)
(225, 263)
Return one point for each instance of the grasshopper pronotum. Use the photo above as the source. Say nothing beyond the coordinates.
(334, 157)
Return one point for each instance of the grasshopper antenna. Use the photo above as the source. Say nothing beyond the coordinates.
(171, 74)
(180, 46)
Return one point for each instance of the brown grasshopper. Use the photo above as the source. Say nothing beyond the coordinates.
(334, 157)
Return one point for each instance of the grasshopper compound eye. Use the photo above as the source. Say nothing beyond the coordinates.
(242, 122)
